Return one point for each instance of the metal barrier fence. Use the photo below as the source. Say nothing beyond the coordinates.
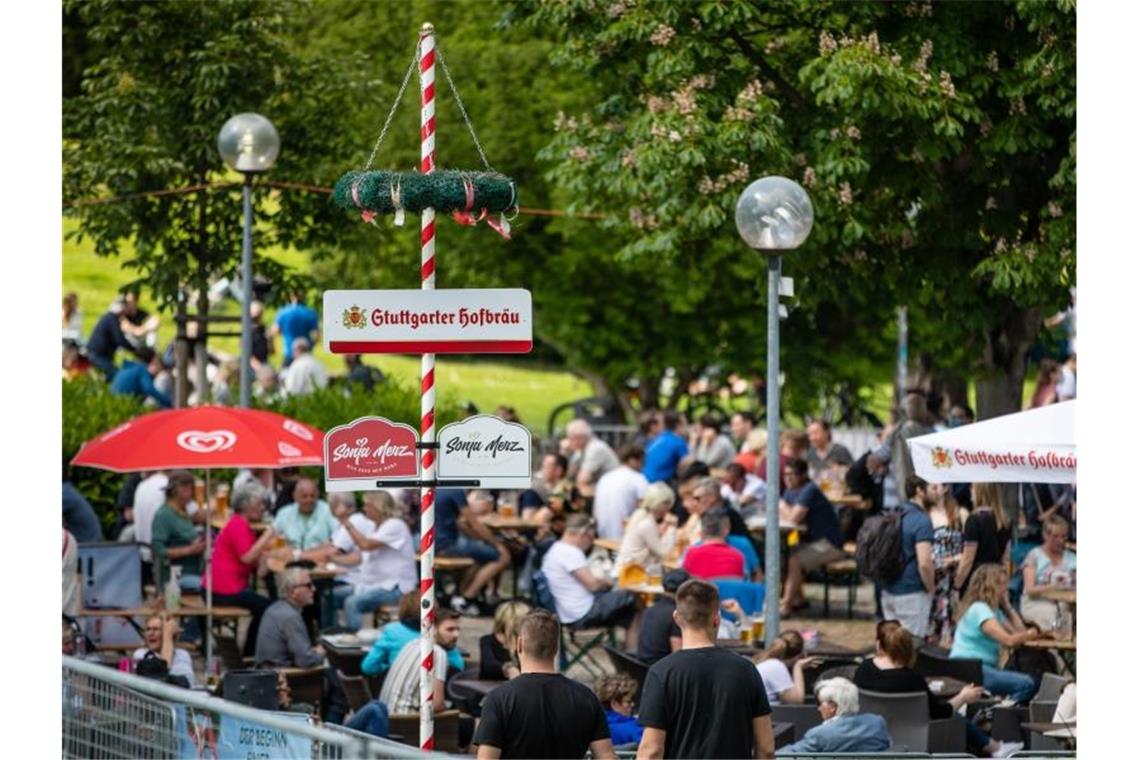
(110, 714)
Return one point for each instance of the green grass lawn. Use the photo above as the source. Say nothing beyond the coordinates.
(531, 389)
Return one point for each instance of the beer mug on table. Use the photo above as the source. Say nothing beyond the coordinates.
(223, 499)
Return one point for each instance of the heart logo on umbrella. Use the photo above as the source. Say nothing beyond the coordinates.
(203, 442)
(288, 450)
(298, 430)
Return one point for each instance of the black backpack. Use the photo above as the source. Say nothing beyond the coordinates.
(878, 547)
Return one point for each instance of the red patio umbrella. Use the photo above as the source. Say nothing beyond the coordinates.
(209, 437)
(204, 437)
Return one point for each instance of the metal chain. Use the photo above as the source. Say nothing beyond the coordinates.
(462, 110)
(395, 104)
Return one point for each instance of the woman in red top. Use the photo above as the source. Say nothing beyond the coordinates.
(236, 555)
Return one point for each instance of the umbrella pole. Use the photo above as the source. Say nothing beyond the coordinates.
(209, 632)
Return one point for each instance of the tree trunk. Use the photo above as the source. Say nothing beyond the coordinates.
(999, 389)
(649, 391)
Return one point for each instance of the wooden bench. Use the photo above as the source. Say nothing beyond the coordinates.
(843, 570)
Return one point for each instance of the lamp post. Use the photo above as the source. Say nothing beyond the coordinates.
(773, 214)
(249, 144)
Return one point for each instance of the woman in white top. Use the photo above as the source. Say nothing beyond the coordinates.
(160, 633)
(1046, 567)
(651, 533)
(377, 547)
(781, 667)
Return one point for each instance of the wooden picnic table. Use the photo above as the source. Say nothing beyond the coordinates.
(758, 523)
(219, 521)
(609, 544)
(183, 611)
(497, 522)
(852, 500)
(1066, 595)
(319, 573)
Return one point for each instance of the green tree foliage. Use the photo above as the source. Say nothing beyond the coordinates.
(168, 75)
(937, 143)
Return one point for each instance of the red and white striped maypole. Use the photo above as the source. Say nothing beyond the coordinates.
(427, 398)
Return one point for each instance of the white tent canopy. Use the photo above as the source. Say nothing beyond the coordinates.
(1034, 446)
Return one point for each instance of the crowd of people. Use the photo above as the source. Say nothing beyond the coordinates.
(676, 503)
(147, 372)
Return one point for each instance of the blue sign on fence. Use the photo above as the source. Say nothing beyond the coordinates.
(207, 734)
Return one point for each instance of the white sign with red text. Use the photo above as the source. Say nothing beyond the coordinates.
(485, 448)
(473, 321)
(1034, 446)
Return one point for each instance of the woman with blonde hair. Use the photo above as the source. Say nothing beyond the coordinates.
(781, 668)
(986, 623)
(377, 547)
(496, 658)
(986, 534)
(1049, 566)
(651, 533)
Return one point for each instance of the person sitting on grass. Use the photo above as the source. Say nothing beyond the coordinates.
(618, 693)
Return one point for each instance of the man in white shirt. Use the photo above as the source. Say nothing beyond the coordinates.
(401, 689)
(619, 492)
(376, 545)
(305, 374)
(741, 488)
(581, 599)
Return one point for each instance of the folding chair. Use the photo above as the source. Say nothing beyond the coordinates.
(571, 650)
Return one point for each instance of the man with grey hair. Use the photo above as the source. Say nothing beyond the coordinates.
(582, 599)
(590, 456)
(305, 374)
(283, 640)
(843, 729)
(701, 497)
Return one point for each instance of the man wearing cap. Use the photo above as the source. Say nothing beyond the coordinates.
(660, 635)
(175, 541)
(582, 599)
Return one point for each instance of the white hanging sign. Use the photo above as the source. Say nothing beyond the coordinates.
(485, 448)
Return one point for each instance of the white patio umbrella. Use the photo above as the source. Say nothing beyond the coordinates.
(1034, 446)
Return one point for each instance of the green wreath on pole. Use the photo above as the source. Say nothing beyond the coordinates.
(386, 192)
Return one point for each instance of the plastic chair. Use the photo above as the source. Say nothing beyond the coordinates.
(230, 653)
(932, 661)
(842, 571)
(467, 700)
(307, 685)
(829, 664)
(909, 723)
(802, 717)
(405, 728)
(355, 690)
(571, 650)
(624, 662)
(1051, 687)
(749, 595)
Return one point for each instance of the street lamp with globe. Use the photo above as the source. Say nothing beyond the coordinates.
(248, 143)
(773, 214)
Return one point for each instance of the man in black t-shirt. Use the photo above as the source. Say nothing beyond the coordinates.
(660, 635)
(542, 713)
(704, 701)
